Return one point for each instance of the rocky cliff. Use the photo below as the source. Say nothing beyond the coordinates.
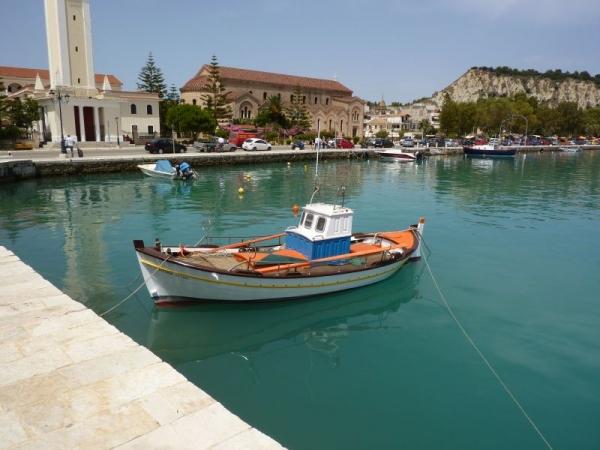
(478, 83)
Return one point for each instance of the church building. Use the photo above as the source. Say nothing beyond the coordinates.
(73, 99)
(331, 105)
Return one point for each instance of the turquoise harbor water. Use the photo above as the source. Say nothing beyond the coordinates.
(513, 245)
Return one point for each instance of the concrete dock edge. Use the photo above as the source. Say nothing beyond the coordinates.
(68, 379)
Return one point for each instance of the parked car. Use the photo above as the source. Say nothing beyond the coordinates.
(407, 142)
(298, 144)
(163, 145)
(212, 145)
(383, 143)
(255, 144)
(343, 143)
(367, 143)
(437, 142)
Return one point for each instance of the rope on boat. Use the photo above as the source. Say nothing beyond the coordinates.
(487, 363)
(137, 289)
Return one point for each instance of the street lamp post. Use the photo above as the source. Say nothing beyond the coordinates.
(58, 98)
(526, 124)
(117, 122)
(108, 125)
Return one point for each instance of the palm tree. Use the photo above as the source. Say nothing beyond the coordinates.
(272, 111)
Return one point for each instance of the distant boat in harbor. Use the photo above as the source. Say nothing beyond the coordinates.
(489, 150)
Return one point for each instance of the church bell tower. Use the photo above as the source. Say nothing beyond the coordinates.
(69, 37)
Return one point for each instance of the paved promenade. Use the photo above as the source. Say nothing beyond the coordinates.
(69, 380)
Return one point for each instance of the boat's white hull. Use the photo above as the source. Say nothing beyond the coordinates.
(148, 169)
(396, 155)
(170, 281)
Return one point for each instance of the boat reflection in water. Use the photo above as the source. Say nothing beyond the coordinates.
(193, 333)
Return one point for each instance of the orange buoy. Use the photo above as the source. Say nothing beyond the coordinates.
(295, 208)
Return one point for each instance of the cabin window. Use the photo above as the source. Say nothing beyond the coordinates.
(321, 221)
(308, 221)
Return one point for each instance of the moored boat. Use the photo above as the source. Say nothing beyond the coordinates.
(321, 255)
(489, 150)
(163, 169)
(396, 154)
(569, 149)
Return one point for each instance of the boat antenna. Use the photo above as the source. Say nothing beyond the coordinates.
(342, 193)
(319, 143)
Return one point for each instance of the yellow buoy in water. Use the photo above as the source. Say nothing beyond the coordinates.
(248, 176)
(241, 190)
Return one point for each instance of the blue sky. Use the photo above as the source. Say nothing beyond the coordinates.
(401, 50)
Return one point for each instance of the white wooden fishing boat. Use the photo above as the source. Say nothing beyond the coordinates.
(319, 256)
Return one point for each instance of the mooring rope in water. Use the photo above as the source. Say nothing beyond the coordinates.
(508, 391)
(137, 289)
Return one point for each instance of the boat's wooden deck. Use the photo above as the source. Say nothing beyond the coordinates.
(377, 244)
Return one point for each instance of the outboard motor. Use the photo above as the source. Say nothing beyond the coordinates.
(186, 170)
(419, 155)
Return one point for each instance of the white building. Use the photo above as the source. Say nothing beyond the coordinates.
(93, 107)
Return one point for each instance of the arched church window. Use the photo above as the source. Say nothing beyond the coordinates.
(133, 108)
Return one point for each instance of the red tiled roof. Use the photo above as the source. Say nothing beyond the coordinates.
(267, 78)
(22, 72)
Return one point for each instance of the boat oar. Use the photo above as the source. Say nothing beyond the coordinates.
(329, 259)
(242, 244)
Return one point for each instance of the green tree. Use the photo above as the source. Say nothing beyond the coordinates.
(467, 118)
(190, 119)
(449, 116)
(215, 99)
(296, 112)
(24, 113)
(381, 134)
(151, 78)
(591, 121)
(271, 113)
(4, 106)
(426, 127)
(571, 118)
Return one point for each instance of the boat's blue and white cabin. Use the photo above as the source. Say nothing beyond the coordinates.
(324, 230)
